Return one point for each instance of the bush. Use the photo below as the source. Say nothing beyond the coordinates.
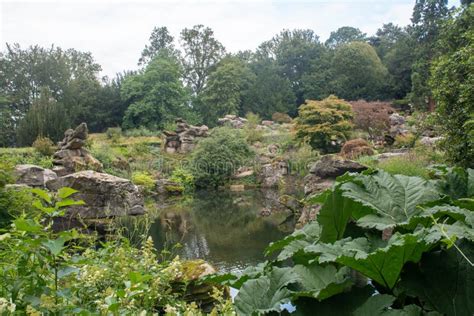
(405, 140)
(44, 146)
(141, 131)
(114, 134)
(281, 117)
(253, 119)
(217, 157)
(355, 148)
(184, 178)
(144, 179)
(372, 117)
(324, 124)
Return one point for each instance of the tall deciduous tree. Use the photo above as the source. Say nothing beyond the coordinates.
(160, 38)
(156, 95)
(427, 18)
(452, 84)
(202, 51)
(345, 35)
(226, 90)
(358, 72)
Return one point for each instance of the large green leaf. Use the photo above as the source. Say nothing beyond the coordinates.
(295, 242)
(383, 264)
(265, 294)
(335, 213)
(457, 183)
(444, 280)
(321, 282)
(393, 198)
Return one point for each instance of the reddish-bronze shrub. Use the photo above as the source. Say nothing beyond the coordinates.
(281, 117)
(372, 117)
(355, 148)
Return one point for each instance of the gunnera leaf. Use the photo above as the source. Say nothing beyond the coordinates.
(444, 280)
(265, 294)
(392, 198)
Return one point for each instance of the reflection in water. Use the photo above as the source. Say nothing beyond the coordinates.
(223, 228)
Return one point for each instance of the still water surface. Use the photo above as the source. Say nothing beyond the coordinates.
(224, 228)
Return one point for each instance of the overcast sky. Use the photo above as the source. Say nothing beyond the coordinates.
(116, 31)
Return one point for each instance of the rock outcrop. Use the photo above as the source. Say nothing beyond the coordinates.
(272, 173)
(183, 139)
(233, 121)
(397, 125)
(33, 176)
(331, 166)
(104, 195)
(71, 156)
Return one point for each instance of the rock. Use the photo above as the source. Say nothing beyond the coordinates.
(183, 139)
(389, 155)
(267, 123)
(331, 166)
(33, 176)
(314, 184)
(71, 157)
(243, 172)
(104, 195)
(265, 212)
(233, 121)
(430, 141)
(396, 119)
(273, 148)
(272, 173)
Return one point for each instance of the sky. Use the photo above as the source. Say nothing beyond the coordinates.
(116, 31)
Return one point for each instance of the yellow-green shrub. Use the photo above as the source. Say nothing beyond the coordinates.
(144, 179)
(44, 146)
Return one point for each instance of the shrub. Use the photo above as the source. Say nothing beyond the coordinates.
(253, 135)
(253, 119)
(372, 117)
(144, 179)
(301, 159)
(44, 146)
(114, 134)
(324, 124)
(281, 117)
(355, 148)
(217, 157)
(141, 131)
(183, 177)
(405, 140)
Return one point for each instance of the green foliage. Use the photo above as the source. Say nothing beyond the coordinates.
(324, 124)
(218, 157)
(358, 72)
(48, 272)
(184, 177)
(345, 35)
(114, 134)
(19, 156)
(451, 81)
(46, 118)
(281, 117)
(156, 95)
(44, 146)
(400, 233)
(225, 90)
(144, 179)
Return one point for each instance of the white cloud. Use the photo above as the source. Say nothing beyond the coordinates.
(116, 31)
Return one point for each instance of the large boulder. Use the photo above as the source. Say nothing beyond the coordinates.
(33, 176)
(331, 166)
(183, 139)
(272, 173)
(104, 195)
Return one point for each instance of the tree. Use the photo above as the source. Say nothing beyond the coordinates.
(325, 124)
(427, 18)
(201, 53)
(156, 95)
(7, 123)
(160, 38)
(452, 82)
(270, 93)
(358, 72)
(46, 118)
(345, 35)
(295, 51)
(226, 90)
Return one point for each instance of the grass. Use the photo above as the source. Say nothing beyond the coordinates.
(25, 155)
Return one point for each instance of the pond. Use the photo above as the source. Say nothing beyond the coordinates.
(230, 230)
